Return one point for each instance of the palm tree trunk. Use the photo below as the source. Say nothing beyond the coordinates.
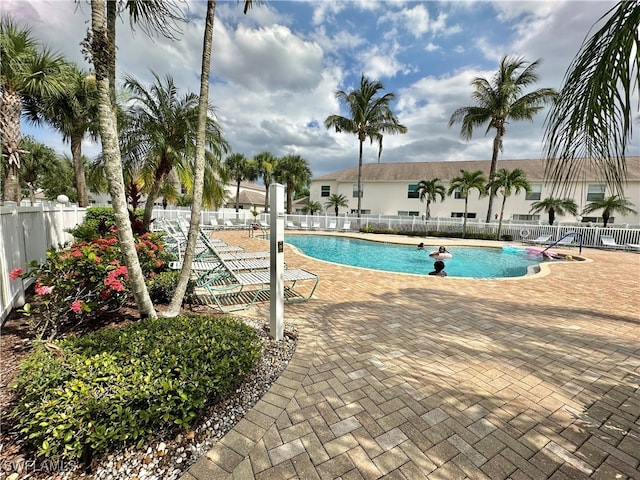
(237, 197)
(78, 170)
(289, 196)
(112, 14)
(427, 213)
(198, 183)
(10, 109)
(360, 178)
(112, 162)
(154, 193)
(266, 199)
(464, 222)
(504, 200)
(497, 141)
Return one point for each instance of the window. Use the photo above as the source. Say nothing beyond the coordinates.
(525, 218)
(595, 192)
(362, 212)
(404, 213)
(536, 190)
(412, 191)
(597, 220)
(325, 190)
(461, 215)
(355, 190)
(458, 194)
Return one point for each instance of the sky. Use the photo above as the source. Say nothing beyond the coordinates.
(276, 69)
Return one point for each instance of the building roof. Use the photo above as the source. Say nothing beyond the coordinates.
(416, 171)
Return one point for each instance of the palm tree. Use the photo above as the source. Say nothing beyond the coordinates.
(240, 168)
(609, 206)
(73, 112)
(294, 172)
(336, 201)
(464, 183)
(429, 191)
(162, 133)
(266, 163)
(28, 71)
(507, 183)
(371, 117)
(37, 159)
(311, 207)
(499, 100)
(551, 205)
(103, 53)
(590, 126)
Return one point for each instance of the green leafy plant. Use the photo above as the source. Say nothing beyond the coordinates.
(88, 395)
(79, 283)
(162, 286)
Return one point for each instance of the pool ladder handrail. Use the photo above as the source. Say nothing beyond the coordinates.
(566, 235)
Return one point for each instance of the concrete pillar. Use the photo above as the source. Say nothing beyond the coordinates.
(276, 244)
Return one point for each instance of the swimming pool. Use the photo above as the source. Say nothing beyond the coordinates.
(470, 262)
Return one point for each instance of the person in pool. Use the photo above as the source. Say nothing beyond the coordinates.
(440, 250)
(421, 246)
(438, 269)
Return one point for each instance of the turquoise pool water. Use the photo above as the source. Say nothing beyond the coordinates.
(471, 262)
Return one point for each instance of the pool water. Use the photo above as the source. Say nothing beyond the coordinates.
(470, 262)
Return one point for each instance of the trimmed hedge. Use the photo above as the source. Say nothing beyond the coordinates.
(93, 394)
(413, 233)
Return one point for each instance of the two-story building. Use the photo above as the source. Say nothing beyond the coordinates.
(391, 189)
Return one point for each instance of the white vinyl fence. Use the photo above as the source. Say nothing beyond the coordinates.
(25, 235)
(27, 232)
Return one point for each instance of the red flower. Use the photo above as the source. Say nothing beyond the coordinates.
(15, 273)
(76, 306)
(43, 289)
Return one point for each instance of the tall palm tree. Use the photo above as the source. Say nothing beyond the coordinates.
(429, 191)
(73, 112)
(507, 183)
(464, 183)
(370, 116)
(552, 205)
(336, 201)
(266, 163)
(609, 206)
(499, 100)
(294, 172)
(102, 53)
(162, 128)
(590, 126)
(240, 168)
(28, 71)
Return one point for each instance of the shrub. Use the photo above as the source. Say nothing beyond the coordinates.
(99, 222)
(162, 286)
(81, 282)
(88, 395)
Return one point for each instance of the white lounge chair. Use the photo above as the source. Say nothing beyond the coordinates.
(565, 242)
(346, 226)
(609, 242)
(304, 225)
(315, 225)
(332, 225)
(290, 224)
(541, 240)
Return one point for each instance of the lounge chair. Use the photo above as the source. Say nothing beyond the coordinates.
(315, 225)
(565, 242)
(346, 226)
(290, 224)
(304, 225)
(634, 246)
(609, 242)
(541, 240)
(332, 225)
(231, 290)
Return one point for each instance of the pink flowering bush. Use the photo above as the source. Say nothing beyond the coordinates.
(79, 283)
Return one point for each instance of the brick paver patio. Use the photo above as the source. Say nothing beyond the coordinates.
(405, 376)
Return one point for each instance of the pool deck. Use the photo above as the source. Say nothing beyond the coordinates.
(405, 376)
